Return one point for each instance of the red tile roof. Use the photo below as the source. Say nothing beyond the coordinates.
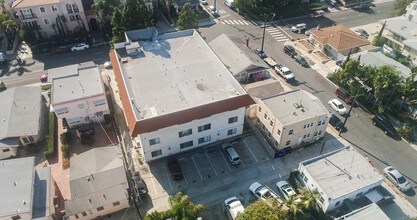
(339, 37)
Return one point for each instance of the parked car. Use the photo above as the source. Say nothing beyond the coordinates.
(397, 178)
(175, 168)
(260, 53)
(231, 153)
(308, 32)
(80, 46)
(336, 123)
(44, 77)
(301, 60)
(337, 105)
(59, 50)
(107, 65)
(362, 6)
(99, 43)
(286, 190)
(263, 192)
(290, 50)
(139, 183)
(332, 2)
(2, 86)
(298, 28)
(317, 14)
(204, 2)
(385, 125)
(233, 207)
(361, 32)
(344, 95)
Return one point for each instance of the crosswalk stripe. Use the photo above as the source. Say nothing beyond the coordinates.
(246, 22)
(254, 23)
(222, 22)
(273, 31)
(241, 22)
(235, 22)
(279, 40)
(277, 34)
(280, 37)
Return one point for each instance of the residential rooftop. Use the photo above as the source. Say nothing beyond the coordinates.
(341, 172)
(20, 106)
(174, 72)
(16, 186)
(97, 178)
(75, 82)
(294, 106)
(401, 26)
(19, 4)
(378, 59)
(339, 37)
(371, 211)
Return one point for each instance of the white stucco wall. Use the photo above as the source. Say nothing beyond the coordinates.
(6, 152)
(108, 209)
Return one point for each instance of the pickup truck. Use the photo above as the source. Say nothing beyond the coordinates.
(270, 61)
(264, 192)
(284, 72)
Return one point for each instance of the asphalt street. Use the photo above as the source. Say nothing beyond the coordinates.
(371, 141)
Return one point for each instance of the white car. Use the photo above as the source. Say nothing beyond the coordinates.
(338, 106)
(262, 191)
(233, 207)
(80, 46)
(107, 65)
(397, 178)
(204, 2)
(286, 189)
(298, 28)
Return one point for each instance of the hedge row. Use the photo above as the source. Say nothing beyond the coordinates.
(52, 136)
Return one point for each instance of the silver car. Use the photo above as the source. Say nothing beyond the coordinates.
(397, 178)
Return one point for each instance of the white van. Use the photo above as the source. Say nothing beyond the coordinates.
(229, 3)
(233, 207)
(298, 28)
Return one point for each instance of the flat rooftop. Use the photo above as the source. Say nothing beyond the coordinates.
(294, 106)
(341, 172)
(175, 72)
(75, 82)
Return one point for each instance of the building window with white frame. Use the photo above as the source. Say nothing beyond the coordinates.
(204, 127)
(232, 131)
(99, 102)
(204, 139)
(42, 9)
(271, 123)
(265, 116)
(156, 153)
(116, 203)
(232, 120)
(69, 8)
(75, 8)
(46, 21)
(186, 144)
(319, 133)
(279, 132)
(288, 143)
(291, 132)
(185, 133)
(54, 8)
(154, 141)
(260, 109)
(61, 111)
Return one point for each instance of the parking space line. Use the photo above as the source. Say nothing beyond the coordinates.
(211, 163)
(227, 163)
(185, 178)
(195, 164)
(169, 181)
(250, 150)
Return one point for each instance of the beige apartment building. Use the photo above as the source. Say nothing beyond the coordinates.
(51, 17)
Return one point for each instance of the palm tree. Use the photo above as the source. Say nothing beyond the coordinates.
(309, 198)
(294, 207)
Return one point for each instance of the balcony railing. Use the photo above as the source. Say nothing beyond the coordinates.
(27, 16)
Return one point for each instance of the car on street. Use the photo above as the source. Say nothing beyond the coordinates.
(385, 125)
(175, 168)
(286, 190)
(99, 43)
(298, 28)
(59, 50)
(285, 72)
(213, 11)
(44, 77)
(290, 50)
(204, 2)
(2, 86)
(337, 105)
(332, 2)
(301, 60)
(362, 6)
(80, 46)
(260, 53)
(317, 14)
(344, 95)
(336, 123)
(397, 178)
(231, 153)
(361, 32)
(233, 207)
(107, 65)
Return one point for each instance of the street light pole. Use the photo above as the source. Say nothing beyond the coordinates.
(215, 9)
(263, 35)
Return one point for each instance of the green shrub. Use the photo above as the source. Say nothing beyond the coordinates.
(406, 131)
(46, 87)
(52, 136)
(379, 41)
(64, 138)
(66, 149)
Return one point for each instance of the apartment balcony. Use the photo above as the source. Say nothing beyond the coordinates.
(27, 17)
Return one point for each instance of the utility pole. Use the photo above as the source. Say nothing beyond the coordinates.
(263, 35)
(215, 9)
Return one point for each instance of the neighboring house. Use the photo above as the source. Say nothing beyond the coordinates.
(402, 32)
(241, 61)
(339, 176)
(25, 190)
(292, 119)
(98, 184)
(21, 118)
(51, 17)
(371, 211)
(77, 94)
(337, 41)
(378, 59)
(176, 93)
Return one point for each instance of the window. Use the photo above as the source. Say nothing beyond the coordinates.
(311, 124)
(185, 132)
(77, 17)
(154, 141)
(72, 18)
(46, 21)
(304, 136)
(81, 106)
(276, 143)
(279, 132)
(260, 109)
(42, 9)
(308, 135)
(305, 179)
(204, 127)
(323, 122)
(257, 121)
(319, 133)
(271, 123)
(321, 200)
(291, 132)
(75, 7)
(186, 144)
(101, 208)
(319, 123)
(232, 120)
(337, 203)
(204, 139)
(156, 153)
(308, 125)
(263, 127)
(31, 139)
(305, 126)
(99, 102)
(6, 150)
(69, 9)
(265, 115)
(25, 140)
(315, 133)
(232, 131)
(269, 134)
(54, 8)
(84, 213)
(288, 143)
(116, 203)
(16, 217)
(61, 111)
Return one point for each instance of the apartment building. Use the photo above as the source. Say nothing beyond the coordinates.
(51, 17)
(291, 119)
(176, 94)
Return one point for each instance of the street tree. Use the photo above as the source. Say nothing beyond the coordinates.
(260, 210)
(188, 18)
(399, 7)
(294, 208)
(136, 15)
(104, 8)
(309, 198)
(410, 87)
(386, 84)
(118, 29)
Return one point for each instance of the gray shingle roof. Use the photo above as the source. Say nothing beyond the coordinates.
(97, 178)
(378, 59)
(237, 57)
(20, 105)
